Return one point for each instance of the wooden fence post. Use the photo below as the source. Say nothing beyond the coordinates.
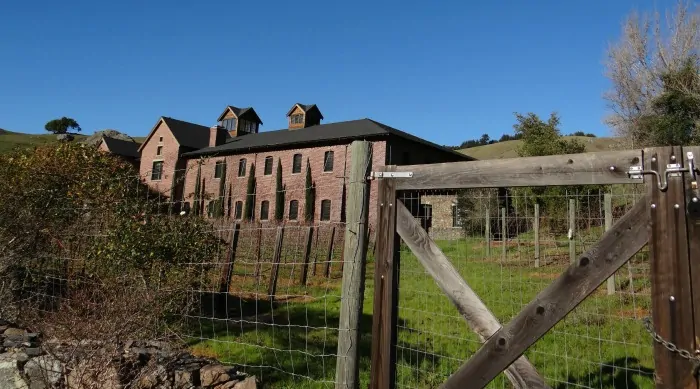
(386, 288)
(607, 209)
(272, 287)
(307, 254)
(329, 254)
(536, 230)
(488, 233)
(572, 230)
(671, 297)
(347, 371)
(504, 234)
(231, 257)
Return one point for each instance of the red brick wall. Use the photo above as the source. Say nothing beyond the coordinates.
(329, 185)
(169, 158)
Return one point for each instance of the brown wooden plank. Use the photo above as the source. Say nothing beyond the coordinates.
(555, 170)
(552, 304)
(329, 253)
(386, 265)
(274, 273)
(671, 297)
(307, 254)
(230, 258)
(347, 371)
(693, 196)
(521, 373)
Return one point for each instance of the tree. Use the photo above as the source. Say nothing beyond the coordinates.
(197, 190)
(62, 125)
(309, 195)
(543, 138)
(219, 210)
(279, 193)
(637, 62)
(484, 140)
(675, 113)
(250, 195)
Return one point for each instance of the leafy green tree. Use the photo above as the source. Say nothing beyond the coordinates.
(309, 195)
(220, 202)
(249, 206)
(675, 114)
(62, 125)
(279, 193)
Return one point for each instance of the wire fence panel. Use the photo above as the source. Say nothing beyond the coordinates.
(492, 239)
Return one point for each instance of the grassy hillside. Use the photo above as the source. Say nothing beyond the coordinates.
(509, 148)
(10, 140)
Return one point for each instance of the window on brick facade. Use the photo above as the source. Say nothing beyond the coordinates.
(241, 167)
(328, 161)
(325, 210)
(455, 217)
(264, 210)
(238, 211)
(296, 163)
(268, 166)
(157, 171)
(293, 210)
(298, 119)
(160, 139)
(219, 169)
(159, 151)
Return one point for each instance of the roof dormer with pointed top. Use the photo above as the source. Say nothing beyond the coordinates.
(304, 115)
(239, 121)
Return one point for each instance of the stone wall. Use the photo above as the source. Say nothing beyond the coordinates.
(26, 363)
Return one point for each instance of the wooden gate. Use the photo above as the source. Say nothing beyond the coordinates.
(666, 218)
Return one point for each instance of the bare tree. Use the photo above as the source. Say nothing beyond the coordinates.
(647, 49)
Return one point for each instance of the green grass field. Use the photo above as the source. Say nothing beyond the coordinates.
(12, 140)
(292, 343)
(508, 149)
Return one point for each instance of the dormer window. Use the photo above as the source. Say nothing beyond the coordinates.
(248, 126)
(298, 119)
(229, 124)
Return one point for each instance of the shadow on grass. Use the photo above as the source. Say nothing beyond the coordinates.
(281, 342)
(621, 373)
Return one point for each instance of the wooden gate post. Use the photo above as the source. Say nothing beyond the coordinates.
(386, 288)
(347, 371)
(607, 209)
(671, 296)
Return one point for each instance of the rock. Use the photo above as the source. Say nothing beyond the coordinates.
(33, 351)
(10, 377)
(21, 357)
(65, 137)
(212, 375)
(96, 138)
(14, 331)
(85, 376)
(228, 385)
(248, 383)
(152, 378)
(186, 379)
(43, 372)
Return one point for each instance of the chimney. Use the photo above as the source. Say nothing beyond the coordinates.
(304, 115)
(215, 136)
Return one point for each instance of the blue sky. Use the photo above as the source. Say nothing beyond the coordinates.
(445, 71)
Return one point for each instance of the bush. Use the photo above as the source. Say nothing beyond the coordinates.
(76, 221)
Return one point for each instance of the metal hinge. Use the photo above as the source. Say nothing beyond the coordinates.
(672, 170)
(635, 172)
(390, 175)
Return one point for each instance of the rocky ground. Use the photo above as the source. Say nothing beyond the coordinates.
(28, 363)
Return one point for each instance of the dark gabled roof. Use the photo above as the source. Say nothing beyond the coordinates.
(306, 108)
(323, 133)
(125, 148)
(238, 112)
(188, 134)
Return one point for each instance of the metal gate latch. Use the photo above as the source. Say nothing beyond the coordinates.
(390, 175)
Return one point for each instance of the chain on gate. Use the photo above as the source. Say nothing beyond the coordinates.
(695, 360)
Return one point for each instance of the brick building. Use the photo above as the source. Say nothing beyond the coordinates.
(179, 158)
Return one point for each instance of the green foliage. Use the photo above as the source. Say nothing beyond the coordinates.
(72, 201)
(62, 125)
(279, 193)
(249, 206)
(676, 111)
(309, 195)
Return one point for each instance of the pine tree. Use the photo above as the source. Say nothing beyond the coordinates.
(250, 195)
(222, 192)
(279, 193)
(197, 188)
(309, 195)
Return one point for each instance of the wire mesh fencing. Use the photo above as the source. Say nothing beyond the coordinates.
(508, 245)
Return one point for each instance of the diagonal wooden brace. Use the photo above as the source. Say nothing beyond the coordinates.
(551, 305)
(521, 373)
